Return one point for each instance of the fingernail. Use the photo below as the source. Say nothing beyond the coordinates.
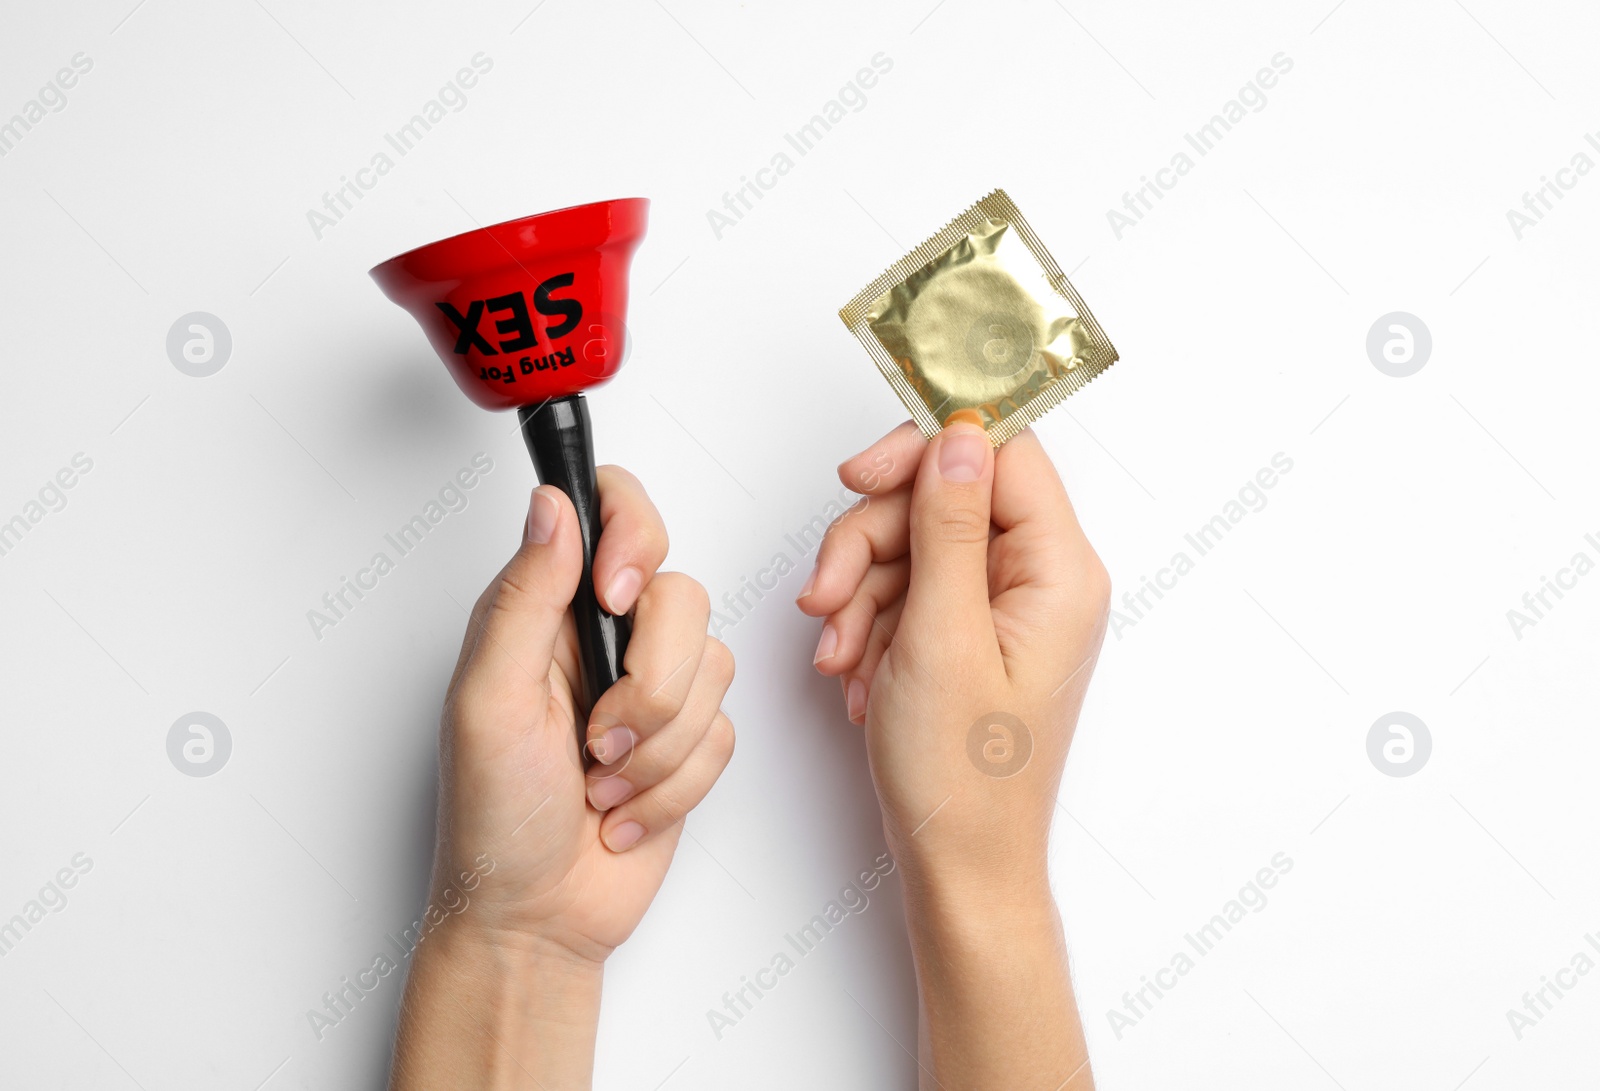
(855, 700)
(542, 516)
(623, 836)
(827, 645)
(616, 742)
(606, 794)
(961, 455)
(624, 589)
(811, 583)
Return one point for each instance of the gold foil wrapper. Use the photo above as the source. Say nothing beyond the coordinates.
(980, 317)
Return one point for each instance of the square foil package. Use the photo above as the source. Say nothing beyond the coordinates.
(980, 317)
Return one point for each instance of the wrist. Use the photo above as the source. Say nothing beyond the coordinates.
(954, 874)
(993, 983)
(487, 914)
(964, 906)
(485, 1008)
(516, 956)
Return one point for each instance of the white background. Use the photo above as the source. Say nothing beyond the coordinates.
(1227, 725)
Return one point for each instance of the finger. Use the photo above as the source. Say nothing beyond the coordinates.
(521, 614)
(857, 683)
(669, 637)
(633, 540)
(1029, 505)
(654, 759)
(663, 806)
(1027, 488)
(1043, 544)
(947, 603)
(887, 464)
(844, 634)
(1045, 576)
(876, 530)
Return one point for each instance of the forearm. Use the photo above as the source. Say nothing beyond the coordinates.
(488, 1014)
(996, 997)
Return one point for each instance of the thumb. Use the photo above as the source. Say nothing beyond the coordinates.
(523, 612)
(948, 596)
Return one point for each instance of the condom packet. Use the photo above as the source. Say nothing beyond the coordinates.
(980, 317)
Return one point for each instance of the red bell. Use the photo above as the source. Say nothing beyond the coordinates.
(527, 314)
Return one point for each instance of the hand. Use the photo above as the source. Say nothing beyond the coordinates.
(542, 870)
(964, 613)
(965, 610)
(576, 859)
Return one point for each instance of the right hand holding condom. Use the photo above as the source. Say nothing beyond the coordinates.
(964, 612)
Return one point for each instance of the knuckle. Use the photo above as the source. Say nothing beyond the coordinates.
(674, 589)
(651, 535)
(852, 514)
(630, 501)
(480, 608)
(662, 706)
(695, 596)
(667, 806)
(657, 540)
(612, 472)
(512, 590)
(868, 477)
(841, 547)
(1097, 583)
(958, 525)
(867, 601)
(721, 737)
(657, 705)
(645, 547)
(511, 598)
(514, 598)
(718, 662)
(830, 546)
